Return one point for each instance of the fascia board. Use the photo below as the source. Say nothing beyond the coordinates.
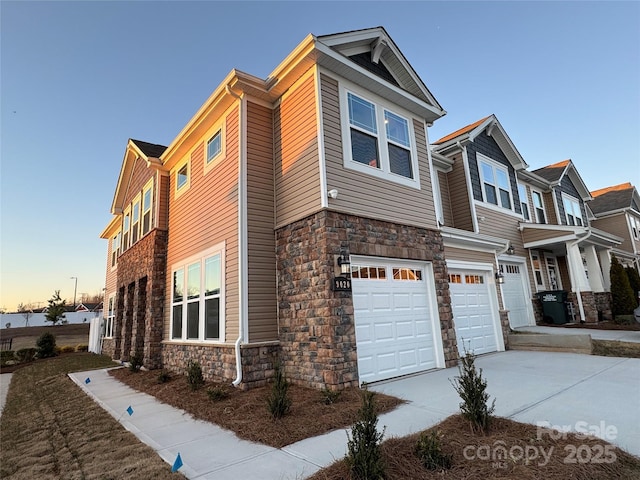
(111, 227)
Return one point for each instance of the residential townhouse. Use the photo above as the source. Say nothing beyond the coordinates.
(270, 191)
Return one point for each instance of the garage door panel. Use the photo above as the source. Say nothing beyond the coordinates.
(515, 298)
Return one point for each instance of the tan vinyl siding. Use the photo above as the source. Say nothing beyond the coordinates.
(464, 255)
(616, 225)
(297, 177)
(263, 324)
(534, 235)
(366, 195)
(140, 175)
(443, 182)
(162, 197)
(459, 195)
(564, 273)
(550, 209)
(205, 215)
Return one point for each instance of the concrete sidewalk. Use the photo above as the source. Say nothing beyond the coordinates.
(558, 388)
(614, 335)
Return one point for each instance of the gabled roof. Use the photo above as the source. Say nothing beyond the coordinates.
(615, 198)
(149, 149)
(494, 129)
(556, 172)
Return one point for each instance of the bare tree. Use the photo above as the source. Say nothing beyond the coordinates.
(27, 312)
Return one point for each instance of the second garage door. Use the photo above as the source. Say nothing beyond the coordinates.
(394, 318)
(474, 313)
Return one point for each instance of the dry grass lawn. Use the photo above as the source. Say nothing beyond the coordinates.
(613, 348)
(50, 429)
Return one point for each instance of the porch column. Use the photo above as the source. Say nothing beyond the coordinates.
(605, 263)
(593, 267)
(579, 280)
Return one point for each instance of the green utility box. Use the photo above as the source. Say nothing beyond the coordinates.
(554, 306)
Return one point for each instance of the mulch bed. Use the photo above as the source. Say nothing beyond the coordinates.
(602, 326)
(246, 412)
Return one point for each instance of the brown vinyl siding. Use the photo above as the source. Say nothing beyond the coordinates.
(205, 215)
(464, 255)
(459, 196)
(366, 195)
(616, 225)
(550, 209)
(534, 235)
(445, 198)
(263, 323)
(297, 177)
(563, 270)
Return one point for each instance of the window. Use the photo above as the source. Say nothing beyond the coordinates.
(111, 316)
(524, 202)
(380, 141)
(537, 270)
(182, 178)
(635, 227)
(473, 279)
(407, 274)
(214, 146)
(147, 200)
(455, 278)
(125, 229)
(115, 249)
(495, 184)
(368, 272)
(538, 207)
(572, 212)
(196, 299)
(135, 220)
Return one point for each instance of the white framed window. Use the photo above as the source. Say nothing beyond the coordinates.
(147, 202)
(126, 225)
(115, 249)
(379, 139)
(537, 270)
(572, 212)
(183, 178)
(494, 179)
(552, 270)
(635, 227)
(135, 220)
(524, 202)
(111, 316)
(197, 298)
(538, 207)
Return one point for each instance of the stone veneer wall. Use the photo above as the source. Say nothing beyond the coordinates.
(140, 303)
(506, 327)
(603, 305)
(588, 304)
(218, 362)
(317, 331)
(537, 310)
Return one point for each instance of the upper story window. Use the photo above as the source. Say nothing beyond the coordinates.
(135, 220)
(111, 316)
(538, 206)
(495, 183)
(572, 212)
(379, 140)
(115, 249)
(126, 224)
(524, 202)
(147, 201)
(635, 227)
(182, 176)
(214, 146)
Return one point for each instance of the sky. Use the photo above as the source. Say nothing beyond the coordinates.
(78, 79)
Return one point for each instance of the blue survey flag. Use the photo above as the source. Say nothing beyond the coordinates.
(130, 410)
(177, 464)
(87, 381)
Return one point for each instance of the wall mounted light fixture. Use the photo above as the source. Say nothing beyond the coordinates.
(499, 278)
(511, 250)
(344, 263)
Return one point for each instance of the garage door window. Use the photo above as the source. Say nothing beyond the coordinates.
(407, 274)
(475, 279)
(455, 278)
(368, 272)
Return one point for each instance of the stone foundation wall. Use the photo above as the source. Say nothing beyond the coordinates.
(317, 330)
(109, 347)
(506, 328)
(537, 311)
(603, 305)
(219, 362)
(588, 304)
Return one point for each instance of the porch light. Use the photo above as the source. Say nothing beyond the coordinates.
(499, 278)
(344, 263)
(511, 250)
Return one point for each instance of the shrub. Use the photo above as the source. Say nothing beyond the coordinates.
(67, 349)
(622, 296)
(194, 375)
(429, 451)
(135, 362)
(330, 397)
(363, 447)
(472, 390)
(279, 401)
(82, 347)
(217, 393)
(634, 281)
(26, 354)
(624, 320)
(164, 376)
(6, 355)
(46, 345)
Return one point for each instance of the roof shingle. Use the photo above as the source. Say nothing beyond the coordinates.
(150, 149)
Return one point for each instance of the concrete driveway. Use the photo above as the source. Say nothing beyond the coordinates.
(561, 389)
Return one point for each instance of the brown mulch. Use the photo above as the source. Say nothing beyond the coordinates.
(601, 326)
(476, 456)
(246, 412)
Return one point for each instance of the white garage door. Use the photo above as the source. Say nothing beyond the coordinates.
(473, 314)
(393, 318)
(513, 291)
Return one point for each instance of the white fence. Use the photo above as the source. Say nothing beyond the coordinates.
(38, 320)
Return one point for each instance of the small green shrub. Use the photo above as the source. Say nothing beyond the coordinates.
(82, 347)
(363, 447)
(330, 397)
(217, 393)
(67, 349)
(194, 375)
(135, 362)
(429, 451)
(624, 320)
(6, 355)
(26, 354)
(472, 390)
(164, 376)
(279, 401)
(46, 345)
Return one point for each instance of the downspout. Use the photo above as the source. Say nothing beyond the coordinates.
(242, 216)
(574, 280)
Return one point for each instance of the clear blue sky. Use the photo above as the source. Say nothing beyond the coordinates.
(80, 78)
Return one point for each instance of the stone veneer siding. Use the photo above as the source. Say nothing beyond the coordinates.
(588, 304)
(603, 305)
(506, 327)
(218, 362)
(317, 330)
(140, 301)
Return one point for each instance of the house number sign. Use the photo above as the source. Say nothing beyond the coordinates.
(341, 284)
